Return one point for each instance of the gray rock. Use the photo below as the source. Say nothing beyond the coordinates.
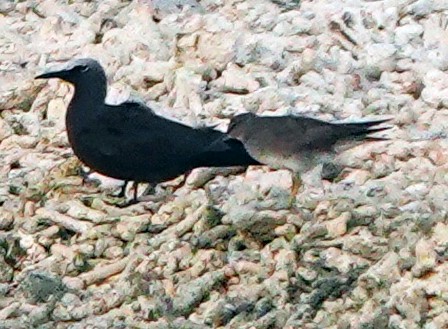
(40, 287)
(163, 8)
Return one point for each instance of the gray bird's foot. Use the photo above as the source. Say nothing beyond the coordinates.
(331, 171)
(291, 201)
(128, 203)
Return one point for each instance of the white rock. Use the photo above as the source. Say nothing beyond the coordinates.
(313, 80)
(162, 8)
(31, 123)
(5, 130)
(235, 80)
(421, 8)
(141, 72)
(436, 88)
(338, 226)
(381, 55)
(216, 23)
(78, 210)
(341, 260)
(426, 257)
(187, 88)
(406, 33)
(217, 49)
(265, 181)
(291, 24)
(56, 113)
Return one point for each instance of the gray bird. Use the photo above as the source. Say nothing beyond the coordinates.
(298, 143)
(129, 141)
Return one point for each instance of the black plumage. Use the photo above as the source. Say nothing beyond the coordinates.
(129, 141)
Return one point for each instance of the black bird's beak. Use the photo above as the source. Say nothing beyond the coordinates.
(52, 74)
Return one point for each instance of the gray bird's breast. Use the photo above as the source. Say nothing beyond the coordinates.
(284, 158)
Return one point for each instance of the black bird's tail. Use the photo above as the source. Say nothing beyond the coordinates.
(220, 150)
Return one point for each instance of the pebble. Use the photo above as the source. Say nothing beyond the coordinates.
(228, 250)
(426, 257)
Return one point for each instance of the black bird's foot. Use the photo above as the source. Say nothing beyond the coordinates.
(85, 176)
(86, 180)
(91, 182)
(134, 199)
(147, 198)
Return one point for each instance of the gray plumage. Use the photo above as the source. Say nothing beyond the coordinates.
(295, 142)
(298, 143)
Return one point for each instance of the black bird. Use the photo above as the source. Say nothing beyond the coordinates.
(129, 141)
(298, 143)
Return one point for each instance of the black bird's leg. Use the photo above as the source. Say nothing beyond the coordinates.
(186, 174)
(134, 199)
(135, 188)
(149, 190)
(122, 193)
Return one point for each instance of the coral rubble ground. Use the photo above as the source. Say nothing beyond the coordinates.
(367, 250)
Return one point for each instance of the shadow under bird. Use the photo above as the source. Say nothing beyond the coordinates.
(129, 141)
(298, 143)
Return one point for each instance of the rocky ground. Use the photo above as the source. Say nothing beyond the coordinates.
(367, 250)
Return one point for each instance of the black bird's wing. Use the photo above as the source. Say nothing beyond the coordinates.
(222, 151)
(156, 149)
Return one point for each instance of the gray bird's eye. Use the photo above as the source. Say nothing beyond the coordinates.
(84, 68)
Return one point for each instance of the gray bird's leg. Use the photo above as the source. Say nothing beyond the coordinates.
(296, 183)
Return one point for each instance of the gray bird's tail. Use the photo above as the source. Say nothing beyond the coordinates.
(362, 130)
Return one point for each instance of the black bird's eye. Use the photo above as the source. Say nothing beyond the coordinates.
(83, 68)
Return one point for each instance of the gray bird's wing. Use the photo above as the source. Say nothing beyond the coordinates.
(290, 134)
(295, 133)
